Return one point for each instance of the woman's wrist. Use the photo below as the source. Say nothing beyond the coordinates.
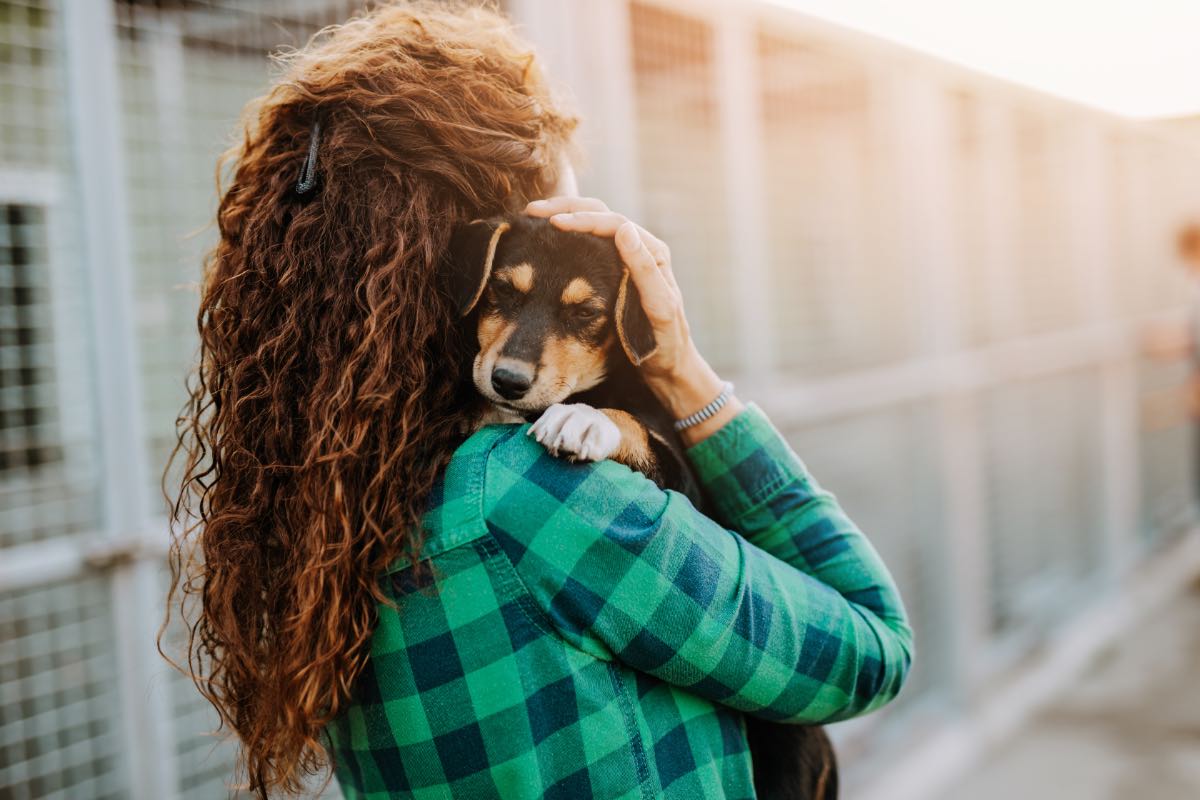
(688, 387)
(701, 431)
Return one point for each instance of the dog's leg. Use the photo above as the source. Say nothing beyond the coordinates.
(577, 431)
(581, 433)
(635, 451)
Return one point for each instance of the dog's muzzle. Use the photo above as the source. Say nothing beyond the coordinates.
(511, 384)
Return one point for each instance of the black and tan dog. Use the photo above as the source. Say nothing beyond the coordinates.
(560, 331)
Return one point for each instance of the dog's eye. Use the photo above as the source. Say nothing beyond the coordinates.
(584, 313)
(505, 292)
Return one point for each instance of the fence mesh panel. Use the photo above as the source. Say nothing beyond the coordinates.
(47, 471)
(59, 719)
(679, 165)
(1044, 504)
(841, 298)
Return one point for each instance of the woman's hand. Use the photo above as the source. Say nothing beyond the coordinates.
(677, 373)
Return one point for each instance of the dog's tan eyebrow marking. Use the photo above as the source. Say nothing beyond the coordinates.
(519, 275)
(577, 291)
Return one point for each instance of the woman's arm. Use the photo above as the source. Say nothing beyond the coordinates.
(628, 572)
(760, 488)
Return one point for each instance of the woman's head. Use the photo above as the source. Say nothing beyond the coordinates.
(327, 398)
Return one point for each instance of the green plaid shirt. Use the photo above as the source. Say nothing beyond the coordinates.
(586, 634)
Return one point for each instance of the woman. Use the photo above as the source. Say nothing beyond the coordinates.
(440, 615)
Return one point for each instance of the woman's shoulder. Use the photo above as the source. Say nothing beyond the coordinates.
(502, 481)
(521, 480)
(512, 455)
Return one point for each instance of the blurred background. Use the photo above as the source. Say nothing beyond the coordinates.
(962, 299)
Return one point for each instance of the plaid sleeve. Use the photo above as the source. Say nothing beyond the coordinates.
(761, 489)
(628, 572)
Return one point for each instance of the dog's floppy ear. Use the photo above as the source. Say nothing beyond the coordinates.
(633, 326)
(472, 251)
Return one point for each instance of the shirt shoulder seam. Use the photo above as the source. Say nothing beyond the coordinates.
(471, 483)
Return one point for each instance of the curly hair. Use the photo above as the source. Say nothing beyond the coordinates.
(326, 400)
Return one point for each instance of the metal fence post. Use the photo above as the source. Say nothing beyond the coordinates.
(93, 91)
(741, 118)
(1092, 221)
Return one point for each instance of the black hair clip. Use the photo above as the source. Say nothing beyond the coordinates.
(307, 182)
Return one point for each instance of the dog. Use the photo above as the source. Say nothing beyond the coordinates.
(559, 332)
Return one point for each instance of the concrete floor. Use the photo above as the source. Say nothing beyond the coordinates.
(1129, 730)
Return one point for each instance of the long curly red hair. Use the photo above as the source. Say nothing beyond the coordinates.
(327, 400)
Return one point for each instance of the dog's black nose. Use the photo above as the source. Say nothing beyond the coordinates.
(508, 384)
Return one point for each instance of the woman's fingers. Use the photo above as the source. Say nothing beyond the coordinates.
(607, 223)
(589, 215)
(563, 205)
(662, 254)
(658, 299)
(600, 222)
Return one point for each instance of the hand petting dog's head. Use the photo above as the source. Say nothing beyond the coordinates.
(551, 308)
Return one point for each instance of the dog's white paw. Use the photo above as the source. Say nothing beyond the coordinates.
(577, 431)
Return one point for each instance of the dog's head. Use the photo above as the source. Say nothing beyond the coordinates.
(551, 306)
